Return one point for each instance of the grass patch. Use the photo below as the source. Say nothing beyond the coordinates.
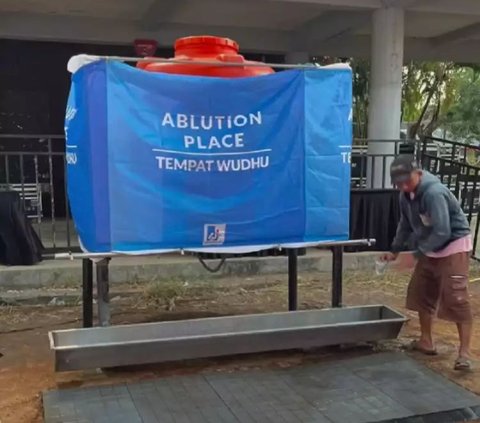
(165, 293)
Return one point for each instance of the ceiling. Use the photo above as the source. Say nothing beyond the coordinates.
(434, 29)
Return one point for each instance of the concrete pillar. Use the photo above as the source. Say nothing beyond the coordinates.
(297, 58)
(384, 109)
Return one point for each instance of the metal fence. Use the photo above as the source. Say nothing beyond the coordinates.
(371, 164)
(367, 164)
(34, 166)
(457, 166)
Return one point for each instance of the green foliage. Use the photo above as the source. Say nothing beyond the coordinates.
(361, 75)
(433, 94)
(462, 119)
(428, 91)
(412, 92)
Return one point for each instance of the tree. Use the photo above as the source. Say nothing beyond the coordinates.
(412, 92)
(462, 120)
(361, 75)
(427, 88)
(429, 92)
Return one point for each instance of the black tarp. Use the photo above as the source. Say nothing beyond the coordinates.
(19, 244)
(374, 213)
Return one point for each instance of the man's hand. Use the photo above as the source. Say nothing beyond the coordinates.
(388, 257)
(405, 262)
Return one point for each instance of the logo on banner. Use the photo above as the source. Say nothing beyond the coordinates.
(214, 234)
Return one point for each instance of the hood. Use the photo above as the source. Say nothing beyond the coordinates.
(427, 181)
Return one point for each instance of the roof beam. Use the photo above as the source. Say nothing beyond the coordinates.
(420, 49)
(457, 35)
(402, 4)
(458, 7)
(61, 28)
(159, 11)
(355, 4)
(358, 4)
(85, 30)
(328, 26)
(454, 7)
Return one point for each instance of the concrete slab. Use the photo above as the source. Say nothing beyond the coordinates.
(388, 387)
(66, 273)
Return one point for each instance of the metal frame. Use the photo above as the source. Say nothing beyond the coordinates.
(217, 64)
(87, 292)
(102, 261)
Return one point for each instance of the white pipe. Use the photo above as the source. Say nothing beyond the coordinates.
(73, 256)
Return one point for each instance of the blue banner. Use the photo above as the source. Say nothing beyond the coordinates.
(164, 162)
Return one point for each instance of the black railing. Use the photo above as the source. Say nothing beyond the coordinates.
(369, 160)
(456, 165)
(34, 166)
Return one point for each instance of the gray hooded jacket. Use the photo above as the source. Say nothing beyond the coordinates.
(433, 217)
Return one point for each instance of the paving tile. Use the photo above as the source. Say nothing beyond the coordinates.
(383, 388)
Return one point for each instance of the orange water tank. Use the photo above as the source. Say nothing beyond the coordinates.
(214, 50)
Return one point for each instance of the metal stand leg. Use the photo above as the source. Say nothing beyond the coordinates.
(337, 276)
(87, 292)
(292, 279)
(103, 299)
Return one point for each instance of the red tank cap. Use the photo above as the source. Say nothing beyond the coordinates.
(214, 52)
(206, 40)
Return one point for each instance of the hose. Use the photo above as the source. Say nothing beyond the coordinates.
(212, 269)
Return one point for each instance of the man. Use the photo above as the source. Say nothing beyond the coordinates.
(431, 216)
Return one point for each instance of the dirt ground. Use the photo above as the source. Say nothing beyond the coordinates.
(26, 364)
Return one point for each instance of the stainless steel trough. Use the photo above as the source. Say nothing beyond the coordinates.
(114, 346)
